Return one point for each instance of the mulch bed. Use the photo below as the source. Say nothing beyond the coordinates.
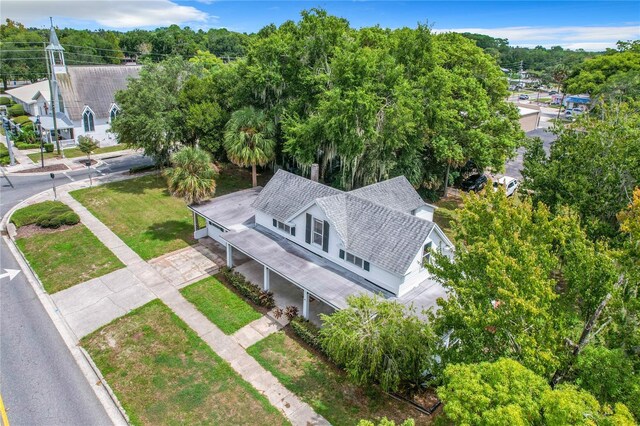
(52, 168)
(33, 229)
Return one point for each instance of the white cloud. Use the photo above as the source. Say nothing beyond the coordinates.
(106, 13)
(571, 37)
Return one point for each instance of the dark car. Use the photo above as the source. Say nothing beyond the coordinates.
(474, 182)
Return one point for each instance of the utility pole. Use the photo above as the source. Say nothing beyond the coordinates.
(7, 132)
(520, 74)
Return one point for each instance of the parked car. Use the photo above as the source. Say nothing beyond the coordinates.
(577, 111)
(474, 182)
(568, 113)
(523, 97)
(553, 92)
(509, 184)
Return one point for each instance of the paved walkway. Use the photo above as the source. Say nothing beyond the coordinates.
(144, 280)
(186, 266)
(259, 329)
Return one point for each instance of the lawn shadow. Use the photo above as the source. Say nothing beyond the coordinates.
(139, 185)
(170, 230)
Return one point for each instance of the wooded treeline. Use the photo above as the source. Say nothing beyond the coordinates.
(365, 104)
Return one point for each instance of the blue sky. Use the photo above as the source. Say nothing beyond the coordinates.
(572, 24)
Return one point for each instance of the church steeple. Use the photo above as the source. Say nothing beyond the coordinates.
(55, 53)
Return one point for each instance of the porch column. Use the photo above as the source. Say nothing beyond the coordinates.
(195, 222)
(266, 278)
(305, 305)
(229, 256)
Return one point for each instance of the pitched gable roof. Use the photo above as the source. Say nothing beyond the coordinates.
(396, 193)
(28, 92)
(382, 235)
(286, 194)
(94, 86)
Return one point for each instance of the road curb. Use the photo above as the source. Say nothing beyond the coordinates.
(91, 372)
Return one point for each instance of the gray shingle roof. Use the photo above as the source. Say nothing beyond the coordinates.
(396, 193)
(286, 193)
(94, 86)
(381, 235)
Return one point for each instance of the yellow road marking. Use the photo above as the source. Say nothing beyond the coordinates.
(3, 413)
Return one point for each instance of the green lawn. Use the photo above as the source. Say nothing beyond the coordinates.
(220, 305)
(142, 213)
(164, 374)
(75, 152)
(68, 257)
(443, 215)
(145, 216)
(323, 387)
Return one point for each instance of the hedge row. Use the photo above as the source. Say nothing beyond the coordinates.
(248, 289)
(22, 145)
(21, 119)
(307, 331)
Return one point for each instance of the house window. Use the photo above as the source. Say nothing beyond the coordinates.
(359, 262)
(291, 230)
(113, 113)
(426, 254)
(318, 231)
(87, 120)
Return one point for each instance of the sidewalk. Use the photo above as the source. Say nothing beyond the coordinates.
(25, 163)
(89, 305)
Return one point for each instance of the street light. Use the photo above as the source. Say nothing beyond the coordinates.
(39, 135)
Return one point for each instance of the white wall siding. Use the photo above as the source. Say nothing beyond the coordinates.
(387, 280)
(101, 132)
(425, 212)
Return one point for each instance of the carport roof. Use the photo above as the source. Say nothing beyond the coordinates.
(231, 210)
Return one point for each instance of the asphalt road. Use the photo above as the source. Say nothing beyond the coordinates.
(40, 383)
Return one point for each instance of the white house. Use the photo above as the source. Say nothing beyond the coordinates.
(330, 243)
(83, 97)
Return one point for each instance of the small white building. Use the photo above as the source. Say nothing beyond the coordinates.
(83, 97)
(330, 243)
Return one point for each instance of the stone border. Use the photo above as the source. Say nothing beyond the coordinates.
(92, 374)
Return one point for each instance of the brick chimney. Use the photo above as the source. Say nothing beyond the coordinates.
(315, 170)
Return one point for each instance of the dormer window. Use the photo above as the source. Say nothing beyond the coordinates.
(87, 120)
(113, 112)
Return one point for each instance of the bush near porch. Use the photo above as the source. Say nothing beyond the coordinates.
(220, 305)
(248, 289)
(325, 388)
(164, 374)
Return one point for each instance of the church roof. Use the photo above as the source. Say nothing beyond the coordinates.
(94, 86)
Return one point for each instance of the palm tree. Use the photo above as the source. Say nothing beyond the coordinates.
(192, 176)
(248, 139)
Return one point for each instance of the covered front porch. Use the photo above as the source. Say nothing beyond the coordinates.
(296, 276)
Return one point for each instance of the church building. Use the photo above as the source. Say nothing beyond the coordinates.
(83, 97)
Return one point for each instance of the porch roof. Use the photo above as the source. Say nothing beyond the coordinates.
(325, 280)
(231, 210)
(46, 121)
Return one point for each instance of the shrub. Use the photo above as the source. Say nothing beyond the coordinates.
(49, 214)
(15, 110)
(21, 119)
(248, 289)
(48, 147)
(4, 155)
(308, 332)
(5, 101)
(22, 145)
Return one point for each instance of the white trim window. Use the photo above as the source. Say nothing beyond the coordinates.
(291, 230)
(426, 254)
(317, 235)
(88, 122)
(113, 112)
